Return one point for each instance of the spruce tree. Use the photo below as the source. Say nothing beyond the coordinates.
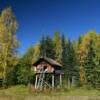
(90, 65)
(42, 47)
(64, 54)
(71, 64)
(57, 46)
(47, 47)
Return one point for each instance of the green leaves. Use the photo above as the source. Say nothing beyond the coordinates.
(88, 51)
(8, 41)
(57, 46)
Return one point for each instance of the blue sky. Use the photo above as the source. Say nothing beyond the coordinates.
(37, 17)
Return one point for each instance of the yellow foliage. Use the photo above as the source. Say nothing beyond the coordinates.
(83, 50)
(36, 52)
(82, 75)
(37, 49)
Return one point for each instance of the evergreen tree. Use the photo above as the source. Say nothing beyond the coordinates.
(24, 66)
(71, 62)
(90, 65)
(96, 48)
(47, 47)
(42, 48)
(57, 46)
(64, 54)
(80, 52)
(88, 53)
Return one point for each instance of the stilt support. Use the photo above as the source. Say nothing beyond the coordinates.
(60, 80)
(52, 81)
(36, 79)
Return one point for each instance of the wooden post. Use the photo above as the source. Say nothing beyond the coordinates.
(60, 80)
(73, 80)
(36, 82)
(69, 83)
(52, 81)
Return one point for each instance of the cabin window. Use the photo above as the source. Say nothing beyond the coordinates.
(45, 67)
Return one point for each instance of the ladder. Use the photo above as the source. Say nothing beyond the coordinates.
(40, 82)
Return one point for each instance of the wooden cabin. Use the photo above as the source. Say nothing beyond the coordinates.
(48, 68)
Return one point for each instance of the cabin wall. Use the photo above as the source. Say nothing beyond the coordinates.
(44, 65)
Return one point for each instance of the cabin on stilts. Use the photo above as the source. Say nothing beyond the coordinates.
(48, 73)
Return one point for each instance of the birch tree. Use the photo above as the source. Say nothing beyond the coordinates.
(8, 41)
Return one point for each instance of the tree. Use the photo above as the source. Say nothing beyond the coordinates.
(93, 58)
(90, 65)
(96, 47)
(81, 55)
(23, 72)
(24, 66)
(42, 49)
(36, 53)
(89, 58)
(8, 41)
(71, 62)
(64, 54)
(47, 47)
(57, 47)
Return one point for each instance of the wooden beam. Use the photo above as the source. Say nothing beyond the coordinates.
(36, 82)
(60, 80)
(53, 84)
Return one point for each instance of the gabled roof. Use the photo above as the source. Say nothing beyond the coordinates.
(49, 60)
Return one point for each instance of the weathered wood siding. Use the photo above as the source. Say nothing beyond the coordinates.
(43, 64)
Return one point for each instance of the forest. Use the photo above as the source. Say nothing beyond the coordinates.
(80, 58)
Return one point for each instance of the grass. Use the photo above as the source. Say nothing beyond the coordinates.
(21, 92)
